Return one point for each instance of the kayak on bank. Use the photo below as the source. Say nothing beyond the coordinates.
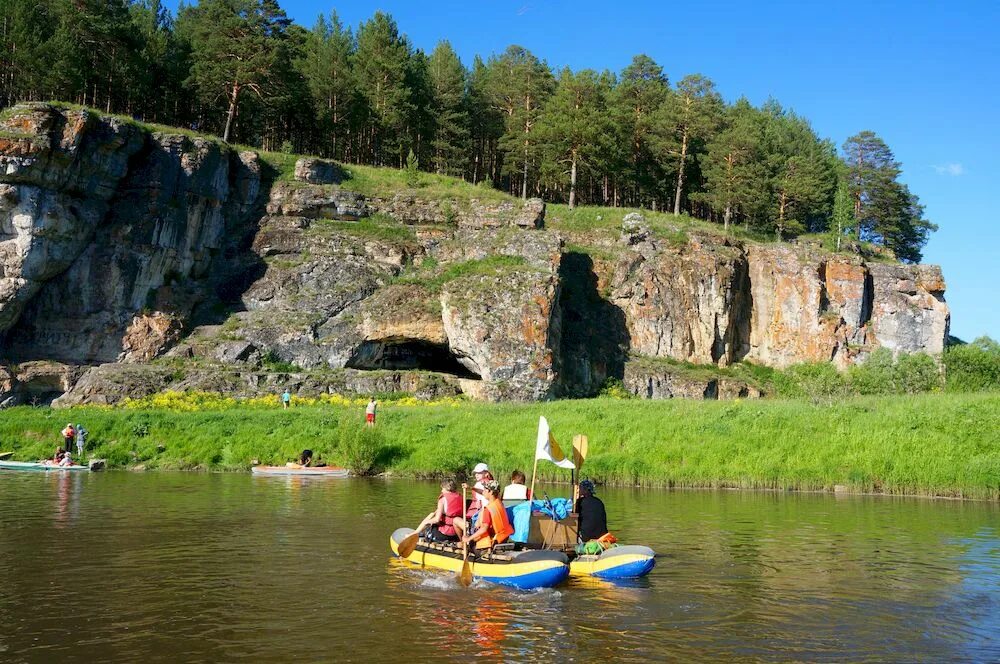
(310, 471)
(526, 569)
(37, 466)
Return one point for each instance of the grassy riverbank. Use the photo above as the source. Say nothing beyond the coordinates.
(931, 444)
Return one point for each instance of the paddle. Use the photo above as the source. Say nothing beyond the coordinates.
(465, 574)
(580, 445)
(408, 544)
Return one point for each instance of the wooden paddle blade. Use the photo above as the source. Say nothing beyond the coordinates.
(580, 445)
(465, 576)
(408, 544)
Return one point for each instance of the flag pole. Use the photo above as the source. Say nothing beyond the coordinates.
(531, 492)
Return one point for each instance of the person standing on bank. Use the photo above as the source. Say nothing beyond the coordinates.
(286, 398)
(81, 439)
(593, 517)
(370, 412)
(69, 435)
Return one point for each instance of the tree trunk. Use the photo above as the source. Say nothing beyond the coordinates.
(781, 215)
(572, 184)
(524, 174)
(680, 173)
(727, 216)
(233, 97)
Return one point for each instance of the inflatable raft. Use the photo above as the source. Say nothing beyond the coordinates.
(28, 465)
(320, 471)
(526, 570)
(621, 562)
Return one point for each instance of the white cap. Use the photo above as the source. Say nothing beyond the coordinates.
(480, 468)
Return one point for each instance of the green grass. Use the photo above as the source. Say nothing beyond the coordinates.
(932, 444)
(433, 279)
(381, 182)
(373, 181)
(377, 227)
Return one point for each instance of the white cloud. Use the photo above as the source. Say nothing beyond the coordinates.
(524, 10)
(952, 169)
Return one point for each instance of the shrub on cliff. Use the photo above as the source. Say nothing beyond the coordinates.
(973, 367)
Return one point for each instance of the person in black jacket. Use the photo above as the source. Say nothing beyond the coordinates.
(593, 518)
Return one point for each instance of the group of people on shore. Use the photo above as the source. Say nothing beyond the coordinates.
(71, 435)
(484, 522)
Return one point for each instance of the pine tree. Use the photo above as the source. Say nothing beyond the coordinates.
(519, 84)
(872, 169)
(380, 67)
(640, 95)
(886, 212)
(234, 47)
(801, 174)
(325, 66)
(420, 120)
(689, 116)
(26, 26)
(572, 127)
(736, 177)
(450, 110)
(843, 211)
(486, 125)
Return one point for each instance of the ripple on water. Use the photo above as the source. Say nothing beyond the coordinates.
(187, 567)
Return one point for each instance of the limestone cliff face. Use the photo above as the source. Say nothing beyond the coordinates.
(102, 220)
(133, 261)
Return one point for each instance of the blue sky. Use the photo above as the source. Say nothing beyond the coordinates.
(923, 75)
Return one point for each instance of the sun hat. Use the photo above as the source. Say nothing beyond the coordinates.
(492, 486)
(481, 468)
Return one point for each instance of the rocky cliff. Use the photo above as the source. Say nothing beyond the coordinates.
(134, 260)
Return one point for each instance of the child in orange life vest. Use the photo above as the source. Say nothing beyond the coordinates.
(441, 522)
(494, 526)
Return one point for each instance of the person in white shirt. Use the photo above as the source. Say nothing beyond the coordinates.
(516, 489)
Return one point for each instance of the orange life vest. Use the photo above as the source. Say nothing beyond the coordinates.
(499, 527)
(452, 509)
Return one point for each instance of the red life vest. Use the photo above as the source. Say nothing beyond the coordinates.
(452, 509)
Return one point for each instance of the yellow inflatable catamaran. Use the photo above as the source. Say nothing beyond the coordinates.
(526, 569)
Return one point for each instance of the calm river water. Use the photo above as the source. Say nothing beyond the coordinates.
(210, 567)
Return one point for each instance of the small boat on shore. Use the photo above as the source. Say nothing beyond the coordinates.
(310, 471)
(526, 570)
(36, 466)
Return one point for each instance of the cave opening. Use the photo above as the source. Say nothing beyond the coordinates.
(410, 355)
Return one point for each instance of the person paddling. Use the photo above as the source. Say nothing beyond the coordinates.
(494, 526)
(440, 524)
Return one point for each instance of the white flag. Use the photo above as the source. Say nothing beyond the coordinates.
(547, 448)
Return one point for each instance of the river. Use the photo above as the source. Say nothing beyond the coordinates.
(196, 567)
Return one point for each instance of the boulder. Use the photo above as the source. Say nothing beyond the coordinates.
(149, 335)
(312, 170)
